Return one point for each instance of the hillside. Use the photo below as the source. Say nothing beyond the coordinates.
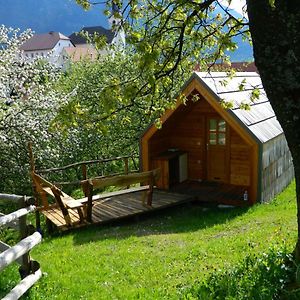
(161, 256)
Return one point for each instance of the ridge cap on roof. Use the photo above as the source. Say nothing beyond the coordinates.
(216, 74)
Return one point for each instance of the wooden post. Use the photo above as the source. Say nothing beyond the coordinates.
(25, 267)
(18, 250)
(61, 205)
(90, 201)
(41, 194)
(150, 192)
(35, 194)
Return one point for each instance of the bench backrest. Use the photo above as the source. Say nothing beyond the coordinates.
(148, 177)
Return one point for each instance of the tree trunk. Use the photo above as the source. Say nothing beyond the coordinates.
(276, 43)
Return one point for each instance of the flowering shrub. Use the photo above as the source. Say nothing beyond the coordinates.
(261, 276)
(97, 109)
(28, 102)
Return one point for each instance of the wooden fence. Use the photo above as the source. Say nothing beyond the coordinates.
(29, 270)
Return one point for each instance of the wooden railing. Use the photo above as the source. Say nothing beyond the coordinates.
(84, 171)
(84, 168)
(29, 270)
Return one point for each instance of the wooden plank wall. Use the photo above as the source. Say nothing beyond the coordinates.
(277, 167)
(240, 163)
(189, 136)
(186, 130)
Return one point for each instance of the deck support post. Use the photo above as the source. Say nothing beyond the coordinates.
(90, 201)
(49, 225)
(150, 191)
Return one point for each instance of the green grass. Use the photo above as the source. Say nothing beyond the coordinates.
(161, 256)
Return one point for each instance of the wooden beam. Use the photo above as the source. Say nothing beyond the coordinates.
(42, 180)
(120, 193)
(78, 182)
(88, 162)
(4, 246)
(11, 254)
(124, 180)
(57, 196)
(16, 198)
(6, 219)
(23, 286)
(13, 224)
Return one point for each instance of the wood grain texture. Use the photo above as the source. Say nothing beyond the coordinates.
(118, 207)
(186, 128)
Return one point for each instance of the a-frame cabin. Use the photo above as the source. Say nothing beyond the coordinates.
(200, 141)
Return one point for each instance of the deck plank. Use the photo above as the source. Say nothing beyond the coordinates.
(118, 207)
(98, 214)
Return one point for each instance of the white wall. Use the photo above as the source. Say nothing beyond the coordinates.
(53, 55)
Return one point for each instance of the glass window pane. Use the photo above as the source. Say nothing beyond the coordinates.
(212, 124)
(212, 138)
(221, 139)
(222, 126)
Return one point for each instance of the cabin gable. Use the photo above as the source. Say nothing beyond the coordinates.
(201, 141)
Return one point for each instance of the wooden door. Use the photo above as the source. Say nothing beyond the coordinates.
(217, 150)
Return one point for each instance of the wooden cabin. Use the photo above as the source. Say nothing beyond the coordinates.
(200, 141)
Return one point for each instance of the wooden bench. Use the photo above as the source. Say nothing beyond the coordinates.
(70, 212)
(63, 201)
(146, 179)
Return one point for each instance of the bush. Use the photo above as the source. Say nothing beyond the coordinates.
(261, 277)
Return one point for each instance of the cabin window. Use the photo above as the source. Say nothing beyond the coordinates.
(217, 132)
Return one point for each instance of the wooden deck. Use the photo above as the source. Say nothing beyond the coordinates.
(209, 192)
(118, 207)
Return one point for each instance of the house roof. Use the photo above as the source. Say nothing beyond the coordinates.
(76, 38)
(45, 41)
(78, 53)
(260, 120)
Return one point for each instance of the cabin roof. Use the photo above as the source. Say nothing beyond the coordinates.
(260, 120)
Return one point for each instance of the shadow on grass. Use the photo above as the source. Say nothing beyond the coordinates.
(183, 218)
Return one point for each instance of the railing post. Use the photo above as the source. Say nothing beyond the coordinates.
(29, 270)
(89, 188)
(150, 192)
(25, 267)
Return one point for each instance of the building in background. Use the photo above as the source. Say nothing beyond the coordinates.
(47, 45)
(114, 36)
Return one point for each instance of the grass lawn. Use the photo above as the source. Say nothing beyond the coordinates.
(160, 256)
